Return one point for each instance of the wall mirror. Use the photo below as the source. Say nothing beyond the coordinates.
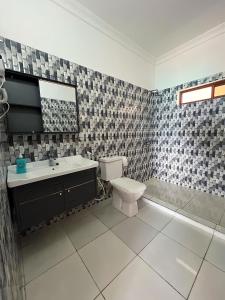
(59, 107)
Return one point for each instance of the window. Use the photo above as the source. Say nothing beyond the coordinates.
(203, 92)
(219, 90)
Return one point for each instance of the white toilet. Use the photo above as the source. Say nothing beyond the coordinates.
(126, 191)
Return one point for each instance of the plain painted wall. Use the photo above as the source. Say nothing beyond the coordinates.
(44, 25)
(203, 60)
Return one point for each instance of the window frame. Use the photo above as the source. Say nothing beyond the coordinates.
(213, 85)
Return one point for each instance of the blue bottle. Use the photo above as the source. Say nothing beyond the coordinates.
(21, 165)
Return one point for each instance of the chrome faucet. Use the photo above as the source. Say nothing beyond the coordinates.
(52, 160)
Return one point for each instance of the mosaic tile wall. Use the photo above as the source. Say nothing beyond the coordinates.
(59, 115)
(10, 264)
(182, 145)
(188, 141)
(114, 115)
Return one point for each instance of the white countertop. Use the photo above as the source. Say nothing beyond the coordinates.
(41, 170)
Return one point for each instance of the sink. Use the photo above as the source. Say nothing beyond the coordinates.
(41, 170)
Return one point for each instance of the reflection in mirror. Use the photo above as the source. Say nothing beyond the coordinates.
(59, 107)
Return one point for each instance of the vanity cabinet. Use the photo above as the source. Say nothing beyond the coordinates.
(42, 200)
(39, 210)
(75, 194)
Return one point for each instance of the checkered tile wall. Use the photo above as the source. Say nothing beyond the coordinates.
(59, 115)
(188, 141)
(10, 263)
(183, 145)
(114, 115)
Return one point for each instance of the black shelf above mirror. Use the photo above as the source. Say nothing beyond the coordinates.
(26, 113)
(25, 107)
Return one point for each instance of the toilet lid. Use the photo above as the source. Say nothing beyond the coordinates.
(128, 185)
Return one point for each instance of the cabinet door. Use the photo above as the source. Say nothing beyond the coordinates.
(77, 178)
(41, 209)
(80, 194)
(39, 189)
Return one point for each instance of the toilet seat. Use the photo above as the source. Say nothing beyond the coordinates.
(128, 185)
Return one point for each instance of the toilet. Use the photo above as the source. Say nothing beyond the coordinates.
(126, 191)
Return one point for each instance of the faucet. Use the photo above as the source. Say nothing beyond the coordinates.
(52, 160)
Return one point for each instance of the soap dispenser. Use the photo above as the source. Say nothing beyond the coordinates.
(21, 165)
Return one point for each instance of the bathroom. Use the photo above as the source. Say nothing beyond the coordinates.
(115, 111)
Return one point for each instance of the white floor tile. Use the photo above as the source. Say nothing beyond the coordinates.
(105, 257)
(216, 252)
(162, 203)
(190, 234)
(206, 206)
(101, 204)
(67, 280)
(175, 263)
(138, 281)
(209, 284)
(222, 221)
(134, 233)
(109, 215)
(50, 246)
(196, 218)
(99, 298)
(155, 215)
(83, 230)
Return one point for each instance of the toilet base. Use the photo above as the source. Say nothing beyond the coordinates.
(129, 209)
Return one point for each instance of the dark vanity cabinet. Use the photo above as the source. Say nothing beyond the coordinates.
(42, 200)
(74, 193)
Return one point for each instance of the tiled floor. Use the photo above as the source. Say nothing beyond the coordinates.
(202, 207)
(101, 254)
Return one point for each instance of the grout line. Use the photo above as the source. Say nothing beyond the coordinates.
(135, 256)
(200, 266)
(100, 294)
(202, 258)
(169, 237)
(89, 273)
(186, 204)
(75, 251)
(157, 233)
(92, 240)
(174, 213)
(208, 261)
(86, 267)
(183, 208)
(50, 268)
(155, 271)
(97, 236)
(223, 214)
(179, 243)
(126, 217)
(197, 219)
(177, 213)
(154, 199)
(21, 262)
(149, 243)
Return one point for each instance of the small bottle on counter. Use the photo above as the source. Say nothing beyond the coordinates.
(21, 165)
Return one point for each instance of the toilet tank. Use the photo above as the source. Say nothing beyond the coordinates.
(111, 167)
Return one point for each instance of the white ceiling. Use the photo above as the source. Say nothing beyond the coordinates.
(158, 26)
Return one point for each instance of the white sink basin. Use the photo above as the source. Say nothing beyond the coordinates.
(41, 170)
